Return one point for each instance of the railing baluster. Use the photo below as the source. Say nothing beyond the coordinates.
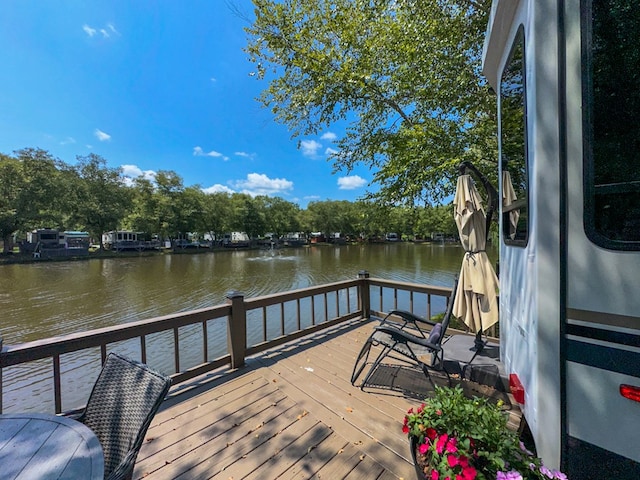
(395, 298)
(205, 342)
(57, 395)
(176, 348)
(326, 307)
(429, 306)
(264, 324)
(103, 353)
(313, 309)
(411, 301)
(337, 303)
(381, 300)
(298, 313)
(143, 348)
(282, 319)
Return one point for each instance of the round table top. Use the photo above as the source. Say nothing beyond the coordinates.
(41, 446)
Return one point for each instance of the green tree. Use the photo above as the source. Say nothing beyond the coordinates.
(281, 216)
(217, 214)
(31, 193)
(103, 200)
(404, 76)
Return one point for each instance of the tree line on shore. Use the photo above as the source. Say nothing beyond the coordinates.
(38, 190)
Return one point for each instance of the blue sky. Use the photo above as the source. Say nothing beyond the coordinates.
(155, 85)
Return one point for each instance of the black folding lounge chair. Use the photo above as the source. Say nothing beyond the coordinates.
(124, 400)
(406, 340)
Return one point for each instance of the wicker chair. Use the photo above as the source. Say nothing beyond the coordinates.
(124, 400)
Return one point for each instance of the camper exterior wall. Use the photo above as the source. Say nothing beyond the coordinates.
(570, 327)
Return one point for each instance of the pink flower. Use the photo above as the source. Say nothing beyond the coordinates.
(442, 441)
(451, 445)
(435, 475)
(452, 460)
(423, 448)
(463, 461)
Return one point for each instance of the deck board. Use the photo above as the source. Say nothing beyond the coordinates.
(290, 413)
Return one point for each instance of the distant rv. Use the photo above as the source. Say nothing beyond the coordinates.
(120, 240)
(49, 242)
(236, 240)
(392, 237)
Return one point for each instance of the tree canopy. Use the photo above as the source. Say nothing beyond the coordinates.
(403, 75)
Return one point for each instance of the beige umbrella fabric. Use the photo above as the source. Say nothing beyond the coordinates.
(508, 197)
(476, 298)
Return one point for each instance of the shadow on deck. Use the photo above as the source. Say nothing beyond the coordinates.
(292, 413)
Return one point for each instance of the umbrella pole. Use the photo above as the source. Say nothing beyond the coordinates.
(478, 343)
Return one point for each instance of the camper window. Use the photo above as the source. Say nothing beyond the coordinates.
(513, 147)
(611, 110)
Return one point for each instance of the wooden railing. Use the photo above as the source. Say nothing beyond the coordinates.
(252, 326)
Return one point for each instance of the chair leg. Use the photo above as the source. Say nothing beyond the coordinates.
(375, 364)
(361, 361)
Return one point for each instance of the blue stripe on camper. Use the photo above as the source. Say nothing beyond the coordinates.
(606, 358)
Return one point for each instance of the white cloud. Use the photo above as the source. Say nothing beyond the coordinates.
(131, 172)
(68, 141)
(88, 30)
(100, 135)
(217, 188)
(310, 147)
(214, 79)
(198, 152)
(330, 151)
(312, 197)
(351, 183)
(329, 136)
(106, 31)
(245, 154)
(260, 184)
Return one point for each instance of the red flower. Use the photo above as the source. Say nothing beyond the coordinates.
(431, 433)
(463, 461)
(469, 473)
(452, 460)
(405, 429)
(442, 441)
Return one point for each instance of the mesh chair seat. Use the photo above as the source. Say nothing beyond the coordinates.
(122, 404)
(406, 341)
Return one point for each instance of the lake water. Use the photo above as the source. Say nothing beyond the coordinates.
(41, 300)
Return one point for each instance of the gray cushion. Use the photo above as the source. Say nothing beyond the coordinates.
(436, 333)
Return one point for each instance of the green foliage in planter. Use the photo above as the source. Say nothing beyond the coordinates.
(468, 438)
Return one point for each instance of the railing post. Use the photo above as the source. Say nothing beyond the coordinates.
(237, 328)
(364, 299)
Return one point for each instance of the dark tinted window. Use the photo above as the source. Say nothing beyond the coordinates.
(611, 59)
(513, 147)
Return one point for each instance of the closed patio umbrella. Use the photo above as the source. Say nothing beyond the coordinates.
(476, 299)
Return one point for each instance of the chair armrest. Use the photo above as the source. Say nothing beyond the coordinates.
(402, 336)
(409, 318)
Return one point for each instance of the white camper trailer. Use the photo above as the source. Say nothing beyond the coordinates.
(566, 76)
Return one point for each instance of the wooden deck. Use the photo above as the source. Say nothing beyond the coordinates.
(291, 413)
